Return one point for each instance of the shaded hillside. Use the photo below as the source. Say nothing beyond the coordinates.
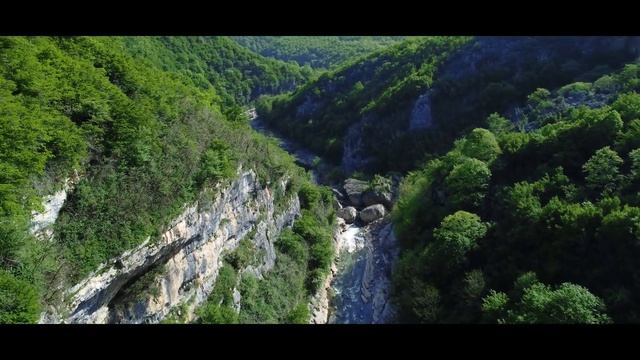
(320, 113)
(138, 143)
(316, 51)
(393, 108)
(536, 224)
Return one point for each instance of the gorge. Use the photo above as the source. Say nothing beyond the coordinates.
(319, 180)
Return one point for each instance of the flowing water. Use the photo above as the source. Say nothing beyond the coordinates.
(365, 256)
(362, 284)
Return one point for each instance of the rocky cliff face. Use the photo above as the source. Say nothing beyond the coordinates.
(421, 112)
(519, 53)
(354, 153)
(178, 271)
(319, 304)
(42, 222)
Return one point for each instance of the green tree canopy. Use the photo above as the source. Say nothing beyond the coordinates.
(628, 105)
(499, 125)
(456, 236)
(602, 170)
(467, 183)
(494, 304)
(18, 300)
(539, 95)
(634, 156)
(425, 303)
(481, 144)
(538, 303)
(568, 304)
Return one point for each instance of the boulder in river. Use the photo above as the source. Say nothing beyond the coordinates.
(380, 191)
(372, 197)
(348, 213)
(354, 189)
(372, 213)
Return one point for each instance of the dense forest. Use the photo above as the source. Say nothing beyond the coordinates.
(534, 223)
(238, 75)
(501, 224)
(462, 79)
(140, 137)
(316, 51)
(319, 113)
(512, 169)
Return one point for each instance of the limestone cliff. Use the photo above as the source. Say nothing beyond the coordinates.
(178, 271)
(42, 222)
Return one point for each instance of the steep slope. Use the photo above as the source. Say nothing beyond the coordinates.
(388, 111)
(180, 270)
(238, 75)
(530, 224)
(320, 114)
(124, 149)
(316, 51)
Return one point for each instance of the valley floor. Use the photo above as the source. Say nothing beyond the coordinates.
(358, 288)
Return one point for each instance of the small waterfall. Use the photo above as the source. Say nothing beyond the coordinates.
(362, 284)
(361, 279)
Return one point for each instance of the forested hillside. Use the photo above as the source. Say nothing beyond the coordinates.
(493, 179)
(316, 51)
(524, 217)
(238, 75)
(392, 109)
(320, 113)
(536, 223)
(136, 136)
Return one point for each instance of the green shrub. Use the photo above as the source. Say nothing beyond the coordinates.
(468, 182)
(575, 88)
(309, 195)
(217, 314)
(456, 236)
(18, 300)
(628, 105)
(380, 184)
(602, 171)
(217, 163)
(481, 144)
(539, 303)
(605, 83)
(225, 282)
(299, 315)
(293, 245)
(244, 254)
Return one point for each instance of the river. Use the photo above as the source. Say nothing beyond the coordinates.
(362, 284)
(359, 290)
(303, 157)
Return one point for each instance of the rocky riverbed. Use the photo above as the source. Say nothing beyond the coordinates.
(358, 288)
(362, 283)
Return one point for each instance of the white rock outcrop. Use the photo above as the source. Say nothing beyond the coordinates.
(42, 222)
(188, 256)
